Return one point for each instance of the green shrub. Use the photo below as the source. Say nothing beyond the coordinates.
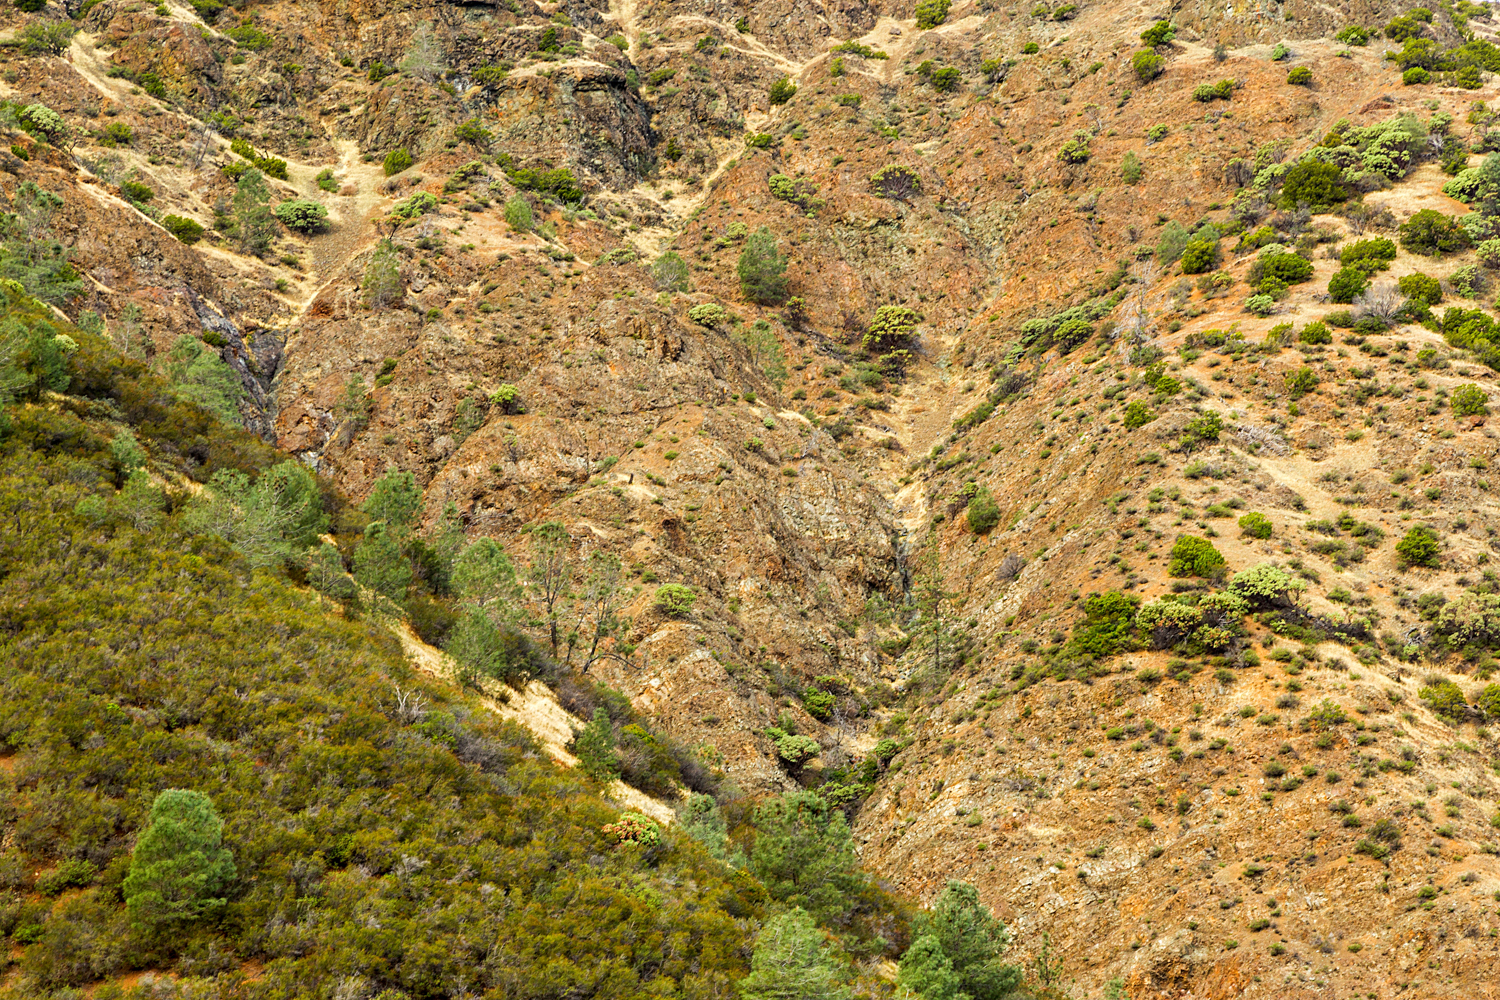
(137, 192)
(783, 90)
(414, 207)
(1445, 698)
(1130, 168)
(326, 181)
(674, 600)
(507, 398)
(1076, 149)
(762, 269)
(1419, 547)
(1260, 305)
(1315, 332)
(708, 314)
(1353, 35)
(1137, 414)
(931, 13)
(1256, 525)
(1468, 400)
(1488, 702)
(1300, 76)
(1108, 624)
(301, 215)
(669, 272)
(1314, 183)
(1432, 233)
(185, 230)
(1194, 556)
(1160, 33)
(1279, 52)
(1415, 75)
(1300, 382)
(1148, 65)
(984, 513)
(396, 161)
(1221, 91)
(1347, 284)
(946, 79)
(1420, 288)
(518, 214)
(1200, 256)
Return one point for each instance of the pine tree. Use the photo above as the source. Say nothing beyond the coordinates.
(198, 375)
(382, 285)
(927, 972)
(179, 866)
(932, 600)
(396, 500)
(485, 578)
(594, 746)
(598, 611)
(380, 565)
(973, 940)
(762, 269)
(792, 961)
(325, 571)
(804, 854)
(703, 820)
(549, 572)
(254, 223)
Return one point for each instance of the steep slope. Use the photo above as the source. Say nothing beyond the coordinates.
(819, 465)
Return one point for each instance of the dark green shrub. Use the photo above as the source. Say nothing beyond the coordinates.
(1347, 284)
(1419, 547)
(1369, 255)
(931, 13)
(1148, 65)
(983, 513)
(1289, 268)
(1256, 525)
(1300, 76)
(1420, 287)
(1315, 332)
(396, 161)
(1194, 556)
(783, 90)
(1432, 233)
(1200, 256)
(1314, 183)
(136, 192)
(301, 215)
(186, 230)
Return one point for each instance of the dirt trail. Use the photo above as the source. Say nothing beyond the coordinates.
(534, 707)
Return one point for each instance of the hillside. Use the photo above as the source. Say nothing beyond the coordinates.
(837, 385)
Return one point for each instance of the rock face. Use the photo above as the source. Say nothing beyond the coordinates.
(824, 477)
